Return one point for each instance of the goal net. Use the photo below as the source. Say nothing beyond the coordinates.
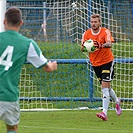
(57, 26)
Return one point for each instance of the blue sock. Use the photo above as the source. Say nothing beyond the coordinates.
(11, 132)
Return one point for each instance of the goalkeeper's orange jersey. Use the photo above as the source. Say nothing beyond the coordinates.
(102, 55)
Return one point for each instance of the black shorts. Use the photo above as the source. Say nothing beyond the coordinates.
(105, 72)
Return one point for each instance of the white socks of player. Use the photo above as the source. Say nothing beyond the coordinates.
(113, 95)
(107, 93)
(106, 100)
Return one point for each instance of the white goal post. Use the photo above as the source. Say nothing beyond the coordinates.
(2, 12)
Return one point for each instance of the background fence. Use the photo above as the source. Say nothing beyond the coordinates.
(57, 27)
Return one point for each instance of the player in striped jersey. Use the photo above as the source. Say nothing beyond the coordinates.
(15, 50)
(102, 61)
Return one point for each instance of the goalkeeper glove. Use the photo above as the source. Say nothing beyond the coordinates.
(83, 48)
(97, 44)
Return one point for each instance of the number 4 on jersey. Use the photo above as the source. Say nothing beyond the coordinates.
(6, 57)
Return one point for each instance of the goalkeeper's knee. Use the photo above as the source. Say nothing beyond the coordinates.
(105, 93)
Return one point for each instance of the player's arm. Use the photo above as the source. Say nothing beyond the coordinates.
(108, 38)
(50, 66)
(37, 59)
(105, 45)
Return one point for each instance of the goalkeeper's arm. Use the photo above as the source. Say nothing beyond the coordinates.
(105, 45)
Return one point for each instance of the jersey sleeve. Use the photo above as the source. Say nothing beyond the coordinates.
(109, 37)
(35, 56)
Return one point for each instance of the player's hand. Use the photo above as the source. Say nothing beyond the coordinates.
(51, 66)
(97, 44)
(83, 48)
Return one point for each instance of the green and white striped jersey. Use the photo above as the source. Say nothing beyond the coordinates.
(15, 50)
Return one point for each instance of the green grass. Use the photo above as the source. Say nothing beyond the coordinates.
(75, 121)
(72, 80)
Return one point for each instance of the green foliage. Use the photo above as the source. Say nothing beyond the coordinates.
(61, 50)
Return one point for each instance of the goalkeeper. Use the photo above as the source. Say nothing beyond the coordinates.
(15, 50)
(102, 61)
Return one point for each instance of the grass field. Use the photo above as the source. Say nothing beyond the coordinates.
(73, 121)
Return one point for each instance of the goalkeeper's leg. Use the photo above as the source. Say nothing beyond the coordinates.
(116, 100)
(105, 100)
(105, 103)
(113, 95)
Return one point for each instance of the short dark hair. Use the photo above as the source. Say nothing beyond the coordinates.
(13, 16)
(96, 16)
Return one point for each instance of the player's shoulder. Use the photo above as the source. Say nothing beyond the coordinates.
(26, 39)
(105, 29)
(16, 35)
(2, 33)
(88, 31)
(23, 37)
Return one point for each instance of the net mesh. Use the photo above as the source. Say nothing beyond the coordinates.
(57, 26)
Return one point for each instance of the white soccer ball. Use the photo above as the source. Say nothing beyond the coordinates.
(74, 5)
(89, 46)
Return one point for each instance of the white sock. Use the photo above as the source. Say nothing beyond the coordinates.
(113, 95)
(106, 99)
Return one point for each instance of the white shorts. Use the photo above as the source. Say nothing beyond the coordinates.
(10, 112)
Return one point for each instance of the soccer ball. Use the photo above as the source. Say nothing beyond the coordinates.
(89, 46)
(74, 5)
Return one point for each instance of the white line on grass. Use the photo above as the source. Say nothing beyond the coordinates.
(82, 129)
